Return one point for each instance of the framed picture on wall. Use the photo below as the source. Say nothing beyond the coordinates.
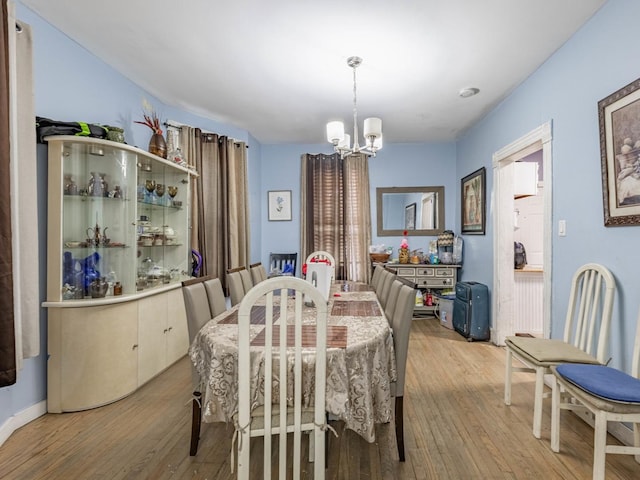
(473, 202)
(279, 205)
(410, 216)
(619, 116)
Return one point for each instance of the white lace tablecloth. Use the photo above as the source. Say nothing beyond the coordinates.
(358, 376)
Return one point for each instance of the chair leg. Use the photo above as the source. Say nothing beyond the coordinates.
(196, 418)
(507, 377)
(555, 416)
(400, 428)
(537, 402)
(599, 446)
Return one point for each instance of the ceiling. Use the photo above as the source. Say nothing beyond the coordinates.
(278, 69)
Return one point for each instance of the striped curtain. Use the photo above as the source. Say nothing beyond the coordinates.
(336, 213)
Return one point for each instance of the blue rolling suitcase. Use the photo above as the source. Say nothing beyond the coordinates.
(471, 310)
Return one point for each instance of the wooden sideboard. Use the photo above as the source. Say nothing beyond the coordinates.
(427, 277)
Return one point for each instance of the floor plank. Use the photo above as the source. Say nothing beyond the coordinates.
(456, 427)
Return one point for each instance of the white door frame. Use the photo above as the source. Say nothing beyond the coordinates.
(503, 221)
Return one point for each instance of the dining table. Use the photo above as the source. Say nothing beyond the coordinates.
(360, 359)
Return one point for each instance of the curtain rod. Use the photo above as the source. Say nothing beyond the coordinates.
(174, 124)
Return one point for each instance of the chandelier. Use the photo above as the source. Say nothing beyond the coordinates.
(372, 127)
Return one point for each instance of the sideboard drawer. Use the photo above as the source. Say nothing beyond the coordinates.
(440, 282)
(426, 272)
(406, 271)
(445, 272)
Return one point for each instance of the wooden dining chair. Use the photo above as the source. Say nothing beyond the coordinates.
(279, 413)
(401, 326)
(282, 262)
(586, 335)
(215, 295)
(323, 255)
(196, 303)
(235, 285)
(384, 276)
(609, 394)
(258, 272)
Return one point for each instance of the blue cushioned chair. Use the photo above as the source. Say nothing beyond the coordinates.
(609, 394)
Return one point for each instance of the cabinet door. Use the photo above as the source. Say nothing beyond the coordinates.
(177, 333)
(152, 333)
(92, 356)
(97, 217)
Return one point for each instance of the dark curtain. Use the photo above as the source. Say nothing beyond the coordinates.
(7, 330)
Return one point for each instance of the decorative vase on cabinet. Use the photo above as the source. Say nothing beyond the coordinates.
(100, 264)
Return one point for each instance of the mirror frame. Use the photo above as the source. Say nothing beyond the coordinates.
(424, 232)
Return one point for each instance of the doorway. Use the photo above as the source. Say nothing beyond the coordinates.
(504, 305)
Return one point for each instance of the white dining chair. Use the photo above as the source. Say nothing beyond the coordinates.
(323, 255)
(196, 303)
(586, 336)
(401, 326)
(279, 413)
(609, 394)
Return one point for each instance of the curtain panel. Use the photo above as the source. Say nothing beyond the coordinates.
(336, 214)
(7, 330)
(220, 209)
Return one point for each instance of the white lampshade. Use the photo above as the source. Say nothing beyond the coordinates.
(335, 131)
(345, 142)
(372, 127)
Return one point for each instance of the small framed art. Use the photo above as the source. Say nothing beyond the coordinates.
(279, 204)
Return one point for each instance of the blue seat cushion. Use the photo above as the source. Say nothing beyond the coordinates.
(602, 381)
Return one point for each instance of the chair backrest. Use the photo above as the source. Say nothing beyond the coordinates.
(280, 342)
(323, 255)
(215, 294)
(377, 275)
(258, 272)
(383, 296)
(196, 304)
(384, 274)
(588, 320)
(247, 280)
(392, 299)
(401, 326)
(235, 285)
(281, 262)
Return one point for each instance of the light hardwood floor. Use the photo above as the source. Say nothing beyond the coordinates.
(456, 427)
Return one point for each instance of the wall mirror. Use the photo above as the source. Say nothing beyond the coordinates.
(419, 210)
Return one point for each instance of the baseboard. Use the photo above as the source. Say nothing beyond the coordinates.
(20, 419)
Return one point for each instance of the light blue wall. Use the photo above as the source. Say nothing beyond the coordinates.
(71, 84)
(594, 63)
(397, 165)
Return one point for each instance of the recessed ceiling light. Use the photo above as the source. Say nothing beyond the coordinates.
(468, 92)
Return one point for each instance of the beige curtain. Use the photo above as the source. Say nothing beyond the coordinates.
(220, 210)
(336, 214)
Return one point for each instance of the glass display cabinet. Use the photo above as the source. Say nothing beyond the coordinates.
(118, 249)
